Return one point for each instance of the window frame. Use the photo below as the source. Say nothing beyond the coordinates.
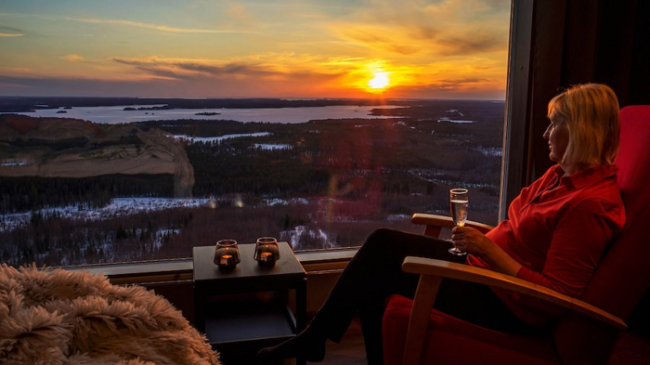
(516, 152)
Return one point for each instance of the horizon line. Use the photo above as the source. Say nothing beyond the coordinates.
(243, 98)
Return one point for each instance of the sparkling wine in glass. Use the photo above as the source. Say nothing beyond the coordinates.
(458, 206)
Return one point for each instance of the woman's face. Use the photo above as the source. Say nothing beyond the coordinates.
(557, 135)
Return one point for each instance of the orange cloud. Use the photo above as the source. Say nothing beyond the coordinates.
(73, 57)
(444, 28)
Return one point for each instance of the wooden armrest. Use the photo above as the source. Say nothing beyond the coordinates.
(445, 269)
(444, 221)
(432, 271)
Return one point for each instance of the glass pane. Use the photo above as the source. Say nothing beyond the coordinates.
(136, 130)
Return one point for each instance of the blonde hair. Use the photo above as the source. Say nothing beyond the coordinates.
(591, 114)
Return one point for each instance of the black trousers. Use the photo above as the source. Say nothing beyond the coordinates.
(375, 272)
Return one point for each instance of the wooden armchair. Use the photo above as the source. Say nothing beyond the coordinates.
(414, 333)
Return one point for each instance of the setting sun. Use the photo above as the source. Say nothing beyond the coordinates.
(379, 81)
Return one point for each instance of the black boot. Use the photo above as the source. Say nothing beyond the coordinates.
(308, 344)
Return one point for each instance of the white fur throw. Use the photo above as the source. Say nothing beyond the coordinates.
(64, 317)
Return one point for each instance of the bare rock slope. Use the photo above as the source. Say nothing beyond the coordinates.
(59, 147)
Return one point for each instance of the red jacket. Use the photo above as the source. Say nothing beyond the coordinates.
(558, 234)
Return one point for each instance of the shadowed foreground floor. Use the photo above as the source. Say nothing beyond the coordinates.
(350, 351)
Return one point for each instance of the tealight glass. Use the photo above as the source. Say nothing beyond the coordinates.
(226, 254)
(267, 251)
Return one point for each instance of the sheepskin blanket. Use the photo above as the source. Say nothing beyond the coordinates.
(76, 317)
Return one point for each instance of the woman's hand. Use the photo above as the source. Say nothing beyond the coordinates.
(472, 241)
(477, 244)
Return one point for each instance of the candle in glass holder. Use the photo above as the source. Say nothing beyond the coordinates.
(267, 251)
(227, 260)
(226, 254)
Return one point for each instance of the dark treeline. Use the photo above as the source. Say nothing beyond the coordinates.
(30, 193)
(218, 170)
(53, 240)
(214, 128)
(59, 145)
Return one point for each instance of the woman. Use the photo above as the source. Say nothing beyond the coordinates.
(555, 233)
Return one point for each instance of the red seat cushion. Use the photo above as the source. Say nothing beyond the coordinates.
(457, 342)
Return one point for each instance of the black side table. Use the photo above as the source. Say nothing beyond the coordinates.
(247, 308)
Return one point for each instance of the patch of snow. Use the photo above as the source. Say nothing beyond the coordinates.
(267, 146)
(491, 151)
(13, 162)
(117, 207)
(220, 138)
(398, 217)
(276, 201)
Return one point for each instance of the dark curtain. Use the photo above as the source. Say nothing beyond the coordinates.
(580, 41)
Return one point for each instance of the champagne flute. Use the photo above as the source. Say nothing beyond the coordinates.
(458, 205)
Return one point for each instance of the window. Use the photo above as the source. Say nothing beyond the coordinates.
(314, 122)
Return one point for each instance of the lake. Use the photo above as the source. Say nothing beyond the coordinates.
(117, 114)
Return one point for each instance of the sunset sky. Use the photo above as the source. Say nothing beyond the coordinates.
(452, 49)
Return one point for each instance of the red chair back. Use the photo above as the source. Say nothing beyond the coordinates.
(622, 276)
